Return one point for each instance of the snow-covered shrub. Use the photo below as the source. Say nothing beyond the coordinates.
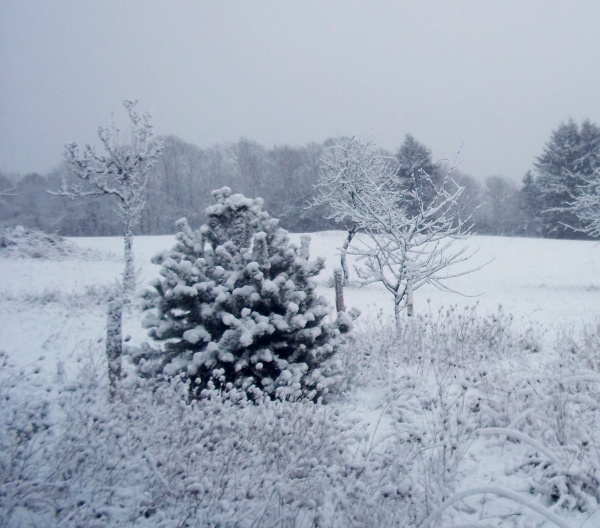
(89, 295)
(436, 377)
(446, 448)
(236, 306)
(150, 457)
(451, 336)
(558, 426)
(473, 383)
(24, 428)
(586, 346)
(24, 242)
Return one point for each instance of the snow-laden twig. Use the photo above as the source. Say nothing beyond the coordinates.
(586, 204)
(517, 435)
(500, 492)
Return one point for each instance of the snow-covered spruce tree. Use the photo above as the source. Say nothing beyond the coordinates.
(587, 206)
(417, 173)
(564, 172)
(235, 307)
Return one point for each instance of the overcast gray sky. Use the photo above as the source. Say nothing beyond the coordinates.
(491, 78)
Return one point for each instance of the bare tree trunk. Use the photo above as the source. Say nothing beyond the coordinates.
(397, 312)
(129, 275)
(114, 343)
(339, 290)
(351, 233)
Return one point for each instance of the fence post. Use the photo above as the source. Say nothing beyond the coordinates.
(338, 279)
(410, 299)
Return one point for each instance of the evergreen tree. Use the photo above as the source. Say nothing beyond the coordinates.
(417, 172)
(589, 160)
(236, 306)
(568, 160)
(586, 204)
(531, 204)
(501, 211)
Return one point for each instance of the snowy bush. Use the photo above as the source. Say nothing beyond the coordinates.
(24, 429)
(471, 426)
(431, 372)
(236, 307)
(557, 422)
(90, 295)
(23, 242)
(455, 384)
(153, 458)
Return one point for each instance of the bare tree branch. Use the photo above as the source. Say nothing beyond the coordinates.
(586, 205)
(7, 192)
(400, 249)
(122, 171)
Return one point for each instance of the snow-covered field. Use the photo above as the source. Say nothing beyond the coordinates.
(464, 400)
(554, 283)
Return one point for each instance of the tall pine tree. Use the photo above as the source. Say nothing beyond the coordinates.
(531, 203)
(416, 172)
(569, 159)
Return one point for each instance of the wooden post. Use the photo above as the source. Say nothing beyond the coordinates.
(410, 302)
(338, 279)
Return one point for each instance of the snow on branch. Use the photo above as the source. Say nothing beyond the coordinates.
(500, 492)
(586, 205)
(7, 192)
(121, 171)
(402, 247)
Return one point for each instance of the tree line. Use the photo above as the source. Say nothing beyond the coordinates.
(179, 185)
(181, 182)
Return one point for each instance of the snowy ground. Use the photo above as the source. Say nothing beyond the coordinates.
(554, 283)
(53, 315)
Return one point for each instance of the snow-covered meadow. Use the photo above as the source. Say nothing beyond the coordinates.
(482, 411)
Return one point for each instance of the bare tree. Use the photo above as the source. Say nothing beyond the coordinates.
(408, 238)
(122, 172)
(351, 169)
(405, 252)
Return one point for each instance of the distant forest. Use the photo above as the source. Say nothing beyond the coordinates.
(285, 177)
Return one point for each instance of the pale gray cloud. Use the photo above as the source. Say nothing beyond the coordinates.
(492, 77)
